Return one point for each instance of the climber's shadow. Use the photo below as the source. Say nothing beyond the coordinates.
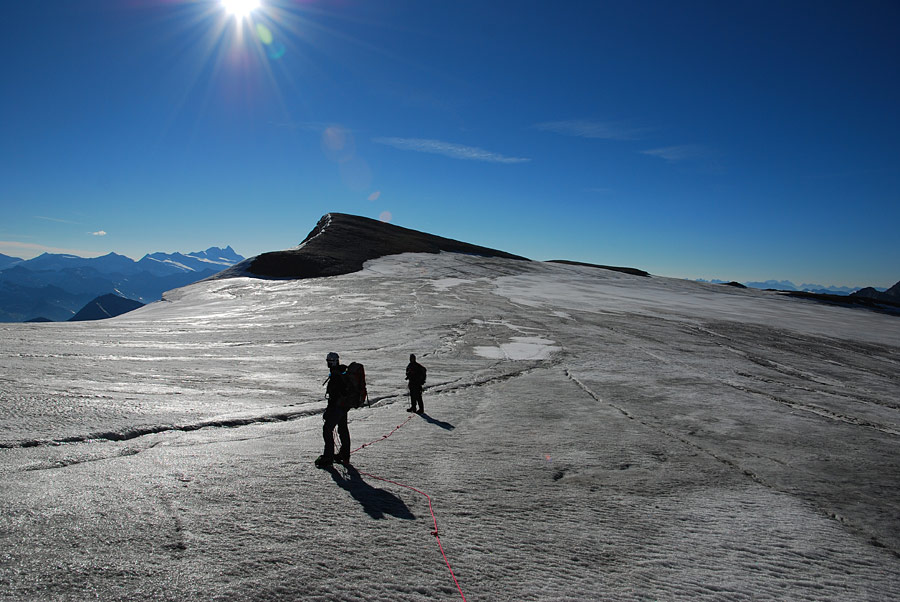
(376, 502)
(444, 425)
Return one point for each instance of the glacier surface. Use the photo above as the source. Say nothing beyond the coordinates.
(589, 435)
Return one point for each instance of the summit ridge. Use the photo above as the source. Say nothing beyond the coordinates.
(341, 243)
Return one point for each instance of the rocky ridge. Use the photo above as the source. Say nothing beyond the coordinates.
(342, 243)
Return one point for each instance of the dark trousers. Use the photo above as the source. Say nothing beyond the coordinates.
(415, 397)
(335, 417)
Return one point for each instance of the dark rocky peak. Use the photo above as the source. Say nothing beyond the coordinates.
(341, 244)
(105, 306)
(892, 295)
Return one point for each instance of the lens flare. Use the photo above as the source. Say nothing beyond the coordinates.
(264, 34)
(338, 144)
(274, 48)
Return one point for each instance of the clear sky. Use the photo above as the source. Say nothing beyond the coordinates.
(733, 140)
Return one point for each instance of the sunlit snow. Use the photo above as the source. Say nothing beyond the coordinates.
(588, 435)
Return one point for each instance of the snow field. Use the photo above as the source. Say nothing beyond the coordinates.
(675, 443)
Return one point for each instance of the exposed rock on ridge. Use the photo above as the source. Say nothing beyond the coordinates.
(632, 271)
(341, 243)
(892, 295)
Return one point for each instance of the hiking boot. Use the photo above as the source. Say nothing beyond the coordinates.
(410, 409)
(323, 461)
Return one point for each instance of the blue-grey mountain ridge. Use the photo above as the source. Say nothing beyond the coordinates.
(56, 286)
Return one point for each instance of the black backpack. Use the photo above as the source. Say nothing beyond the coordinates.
(353, 381)
(418, 375)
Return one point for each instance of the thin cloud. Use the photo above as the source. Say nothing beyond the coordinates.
(448, 149)
(582, 128)
(99, 233)
(54, 219)
(676, 154)
(27, 249)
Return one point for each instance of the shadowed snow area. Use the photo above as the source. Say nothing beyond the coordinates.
(589, 435)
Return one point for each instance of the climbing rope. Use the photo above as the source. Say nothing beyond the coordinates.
(396, 428)
(419, 491)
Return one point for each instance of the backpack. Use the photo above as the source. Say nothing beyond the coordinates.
(354, 381)
(417, 375)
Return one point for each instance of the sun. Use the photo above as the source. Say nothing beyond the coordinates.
(240, 8)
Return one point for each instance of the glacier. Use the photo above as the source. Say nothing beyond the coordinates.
(588, 435)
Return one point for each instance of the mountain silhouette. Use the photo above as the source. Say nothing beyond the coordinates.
(105, 306)
(7, 261)
(52, 262)
(892, 295)
(342, 243)
(869, 297)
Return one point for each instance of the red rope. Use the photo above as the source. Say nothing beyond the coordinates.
(419, 491)
(396, 428)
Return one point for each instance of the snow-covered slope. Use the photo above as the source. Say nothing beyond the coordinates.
(214, 258)
(589, 435)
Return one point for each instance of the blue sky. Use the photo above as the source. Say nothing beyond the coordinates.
(733, 140)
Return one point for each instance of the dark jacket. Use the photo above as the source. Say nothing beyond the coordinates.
(415, 374)
(336, 389)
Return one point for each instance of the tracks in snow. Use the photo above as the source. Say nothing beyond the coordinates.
(142, 431)
(733, 465)
(802, 379)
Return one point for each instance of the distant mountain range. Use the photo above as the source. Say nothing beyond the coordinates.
(878, 299)
(891, 295)
(787, 285)
(55, 287)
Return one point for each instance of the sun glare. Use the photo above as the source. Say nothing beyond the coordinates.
(241, 9)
